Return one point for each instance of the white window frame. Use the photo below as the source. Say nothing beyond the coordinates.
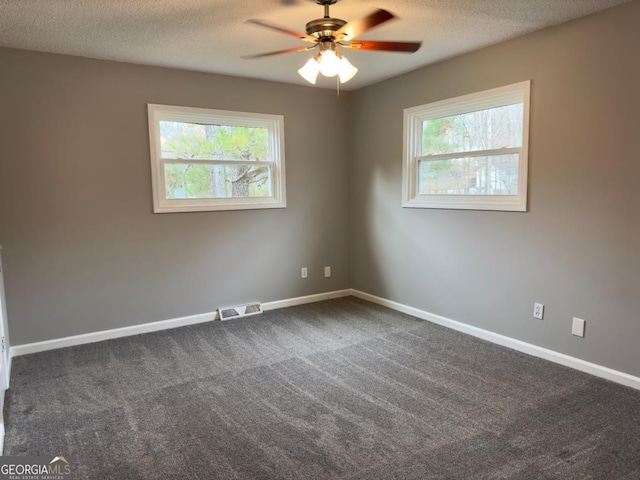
(413, 118)
(275, 158)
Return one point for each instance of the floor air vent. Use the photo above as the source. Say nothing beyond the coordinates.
(239, 311)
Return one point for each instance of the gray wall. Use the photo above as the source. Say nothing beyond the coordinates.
(577, 249)
(83, 251)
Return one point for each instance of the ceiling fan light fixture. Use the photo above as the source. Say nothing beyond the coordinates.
(327, 33)
(310, 70)
(333, 65)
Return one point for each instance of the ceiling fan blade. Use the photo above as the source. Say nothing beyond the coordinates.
(286, 31)
(279, 52)
(408, 47)
(355, 28)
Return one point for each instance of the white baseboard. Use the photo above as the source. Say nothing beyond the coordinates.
(318, 297)
(534, 350)
(27, 348)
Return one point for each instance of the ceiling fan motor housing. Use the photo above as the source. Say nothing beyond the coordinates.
(324, 27)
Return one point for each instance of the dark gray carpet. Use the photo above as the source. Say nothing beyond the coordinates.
(342, 389)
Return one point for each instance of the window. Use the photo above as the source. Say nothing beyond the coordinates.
(205, 159)
(468, 152)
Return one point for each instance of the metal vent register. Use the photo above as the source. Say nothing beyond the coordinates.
(239, 311)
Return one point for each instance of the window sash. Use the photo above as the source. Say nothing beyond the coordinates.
(480, 179)
(468, 153)
(200, 161)
(270, 165)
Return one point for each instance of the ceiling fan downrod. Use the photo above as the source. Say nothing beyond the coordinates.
(325, 4)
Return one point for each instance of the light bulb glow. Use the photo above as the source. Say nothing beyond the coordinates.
(329, 63)
(310, 71)
(346, 71)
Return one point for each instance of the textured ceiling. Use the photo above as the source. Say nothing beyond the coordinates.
(211, 36)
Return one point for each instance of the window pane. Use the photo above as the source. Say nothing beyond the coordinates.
(213, 142)
(193, 180)
(489, 129)
(486, 175)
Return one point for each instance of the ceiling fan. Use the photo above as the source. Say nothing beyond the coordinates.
(328, 35)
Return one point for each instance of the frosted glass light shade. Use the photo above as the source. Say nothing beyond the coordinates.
(310, 71)
(329, 63)
(347, 71)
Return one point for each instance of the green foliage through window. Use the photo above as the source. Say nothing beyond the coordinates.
(238, 145)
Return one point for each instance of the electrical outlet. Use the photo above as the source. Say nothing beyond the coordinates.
(303, 272)
(538, 310)
(327, 272)
(577, 328)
